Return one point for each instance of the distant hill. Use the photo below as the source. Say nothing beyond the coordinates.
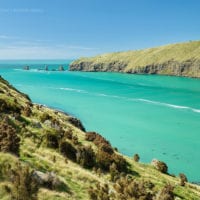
(47, 155)
(181, 59)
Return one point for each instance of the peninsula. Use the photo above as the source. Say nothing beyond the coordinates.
(181, 59)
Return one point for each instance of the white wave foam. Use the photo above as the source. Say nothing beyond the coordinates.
(170, 105)
(176, 106)
(103, 95)
(137, 99)
(72, 89)
(196, 110)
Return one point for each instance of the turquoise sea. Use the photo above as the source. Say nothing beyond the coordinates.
(154, 116)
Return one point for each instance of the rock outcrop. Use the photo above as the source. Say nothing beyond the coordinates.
(26, 68)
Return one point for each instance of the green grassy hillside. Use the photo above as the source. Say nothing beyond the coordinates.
(182, 59)
(47, 155)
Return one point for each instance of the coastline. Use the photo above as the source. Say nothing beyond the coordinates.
(179, 59)
(49, 144)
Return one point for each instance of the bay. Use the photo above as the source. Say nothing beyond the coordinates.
(154, 116)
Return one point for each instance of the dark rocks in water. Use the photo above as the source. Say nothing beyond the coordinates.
(77, 123)
(46, 68)
(26, 68)
(61, 68)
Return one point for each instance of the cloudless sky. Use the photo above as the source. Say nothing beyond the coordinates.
(72, 28)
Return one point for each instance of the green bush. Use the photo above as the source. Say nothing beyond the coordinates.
(166, 193)
(104, 160)
(44, 117)
(162, 167)
(68, 150)
(97, 139)
(27, 111)
(52, 140)
(24, 185)
(114, 173)
(129, 188)
(9, 140)
(136, 157)
(85, 156)
(183, 179)
(99, 192)
(106, 148)
(8, 107)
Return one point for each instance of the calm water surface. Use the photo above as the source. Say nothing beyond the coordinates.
(154, 116)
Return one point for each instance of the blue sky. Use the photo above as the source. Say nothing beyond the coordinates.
(50, 29)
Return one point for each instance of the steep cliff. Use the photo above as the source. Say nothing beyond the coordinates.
(182, 59)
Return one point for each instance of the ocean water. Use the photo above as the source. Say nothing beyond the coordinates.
(154, 116)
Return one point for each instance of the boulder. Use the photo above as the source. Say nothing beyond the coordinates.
(48, 180)
(61, 68)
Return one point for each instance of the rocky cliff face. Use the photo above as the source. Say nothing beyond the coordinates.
(115, 66)
(177, 60)
(189, 68)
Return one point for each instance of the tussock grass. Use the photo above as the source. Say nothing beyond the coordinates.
(35, 154)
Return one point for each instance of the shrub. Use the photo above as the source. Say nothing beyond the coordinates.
(9, 140)
(86, 157)
(183, 179)
(52, 140)
(136, 157)
(130, 188)
(96, 138)
(24, 185)
(100, 192)
(27, 111)
(68, 150)
(90, 136)
(166, 193)
(160, 166)
(68, 134)
(121, 164)
(104, 160)
(106, 148)
(44, 117)
(75, 140)
(77, 123)
(8, 107)
(114, 173)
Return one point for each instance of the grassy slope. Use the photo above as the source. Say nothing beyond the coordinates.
(77, 178)
(134, 61)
